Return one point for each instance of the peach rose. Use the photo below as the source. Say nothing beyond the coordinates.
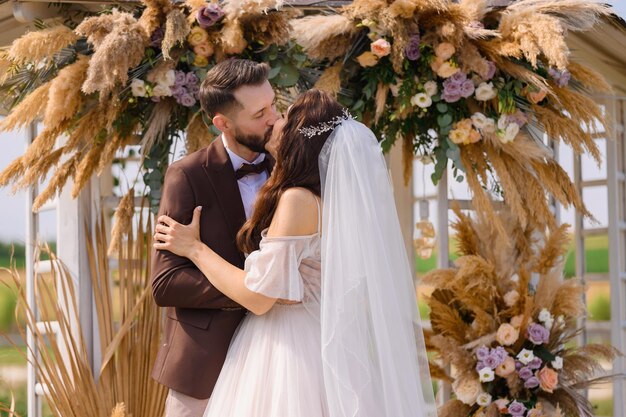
(507, 334)
(511, 297)
(381, 48)
(506, 368)
(467, 390)
(447, 70)
(445, 50)
(537, 96)
(367, 59)
(436, 63)
(548, 379)
(200, 61)
(203, 49)
(517, 321)
(502, 404)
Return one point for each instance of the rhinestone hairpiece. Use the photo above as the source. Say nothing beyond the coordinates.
(310, 131)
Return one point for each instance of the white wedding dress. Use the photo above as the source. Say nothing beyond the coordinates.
(352, 345)
(274, 363)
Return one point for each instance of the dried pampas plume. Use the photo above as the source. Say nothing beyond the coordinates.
(233, 41)
(119, 410)
(330, 81)
(157, 123)
(236, 9)
(176, 30)
(28, 110)
(198, 135)
(42, 44)
(123, 221)
(65, 96)
(324, 36)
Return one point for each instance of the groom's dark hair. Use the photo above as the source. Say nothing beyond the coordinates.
(216, 92)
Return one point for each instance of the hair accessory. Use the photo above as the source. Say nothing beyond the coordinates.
(310, 131)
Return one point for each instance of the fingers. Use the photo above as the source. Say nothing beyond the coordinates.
(161, 237)
(167, 220)
(161, 228)
(197, 212)
(159, 246)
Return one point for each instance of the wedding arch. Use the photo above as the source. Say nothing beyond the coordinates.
(475, 85)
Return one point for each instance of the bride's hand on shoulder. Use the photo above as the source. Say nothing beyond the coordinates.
(180, 239)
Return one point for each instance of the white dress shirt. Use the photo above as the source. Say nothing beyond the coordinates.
(249, 185)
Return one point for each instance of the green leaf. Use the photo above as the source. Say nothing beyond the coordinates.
(288, 76)
(274, 72)
(444, 120)
(442, 107)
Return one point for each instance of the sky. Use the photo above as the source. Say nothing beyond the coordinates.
(12, 206)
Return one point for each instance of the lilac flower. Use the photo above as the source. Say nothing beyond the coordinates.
(492, 361)
(178, 91)
(209, 15)
(491, 71)
(191, 79)
(180, 78)
(482, 353)
(562, 78)
(458, 78)
(156, 38)
(451, 90)
(525, 373)
(501, 353)
(518, 365)
(480, 365)
(538, 334)
(187, 100)
(535, 363)
(467, 88)
(412, 49)
(193, 88)
(516, 409)
(451, 97)
(519, 118)
(532, 382)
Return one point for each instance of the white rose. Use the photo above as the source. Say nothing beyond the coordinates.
(557, 363)
(544, 315)
(485, 91)
(138, 88)
(422, 100)
(486, 374)
(526, 356)
(484, 399)
(431, 88)
(490, 126)
(167, 78)
(467, 390)
(510, 133)
(479, 120)
(161, 90)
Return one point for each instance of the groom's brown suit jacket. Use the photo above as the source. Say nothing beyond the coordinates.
(200, 320)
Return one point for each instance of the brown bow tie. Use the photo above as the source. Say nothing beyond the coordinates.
(247, 169)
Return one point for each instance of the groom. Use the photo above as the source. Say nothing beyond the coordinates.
(224, 179)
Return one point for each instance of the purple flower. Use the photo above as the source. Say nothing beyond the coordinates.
(535, 363)
(451, 97)
(187, 100)
(492, 361)
(180, 78)
(490, 72)
(562, 78)
(191, 79)
(480, 365)
(178, 91)
(532, 382)
(209, 15)
(467, 88)
(518, 365)
(482, 353)
(156, 38)
(458, 78)
(525, 373)
(193, 88)
(538, 334)
(519, 118)
(516, 409)
(412, 49)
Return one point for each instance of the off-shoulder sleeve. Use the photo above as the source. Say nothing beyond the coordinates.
(273, 269)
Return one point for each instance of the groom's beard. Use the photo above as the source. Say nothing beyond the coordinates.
(254, 142)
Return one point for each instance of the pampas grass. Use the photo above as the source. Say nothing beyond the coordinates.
(176, 30)
(28, 110)
(119, 50)
(123, 221)
(324, 36)
(41, 45)
(58, 180)
(198, 135)
(124, 385)
(157, 123)
(65, 96)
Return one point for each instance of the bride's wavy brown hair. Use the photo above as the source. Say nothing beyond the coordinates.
(296, 162)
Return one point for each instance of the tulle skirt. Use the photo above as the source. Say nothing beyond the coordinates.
(273, 368)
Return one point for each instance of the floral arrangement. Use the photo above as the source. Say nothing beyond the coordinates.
(469, 83)
(459, 81)
(131, 76)
(505, 320)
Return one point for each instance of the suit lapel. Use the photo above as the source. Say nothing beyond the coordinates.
(221, 173)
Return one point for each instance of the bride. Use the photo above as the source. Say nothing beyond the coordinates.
(335, 329)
